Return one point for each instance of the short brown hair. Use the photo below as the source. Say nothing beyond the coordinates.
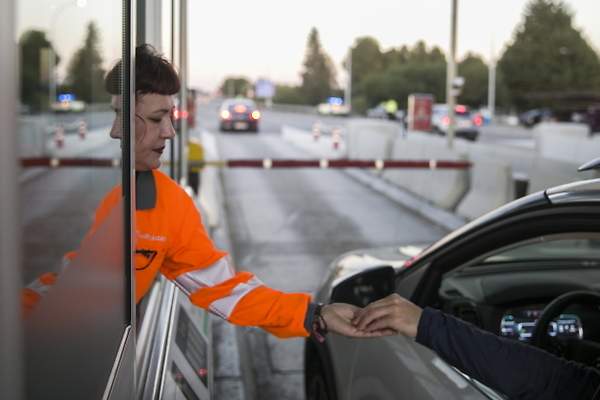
(153, 74)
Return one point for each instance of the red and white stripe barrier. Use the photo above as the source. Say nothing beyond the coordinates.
(265, 163)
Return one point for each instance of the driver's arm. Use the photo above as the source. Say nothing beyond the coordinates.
(515, 369)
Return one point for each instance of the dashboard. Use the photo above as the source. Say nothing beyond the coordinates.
(519, 323)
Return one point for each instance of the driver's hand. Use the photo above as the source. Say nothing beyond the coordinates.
(390, 315)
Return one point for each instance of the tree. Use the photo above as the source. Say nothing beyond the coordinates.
(285, 94)
(366, 59)
(476, 73)
(318, 77)
(85, 75)
(35, 70)
(235, 86)
(548, 58)
(405, 71)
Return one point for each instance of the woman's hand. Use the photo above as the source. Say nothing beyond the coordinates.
(339, 316)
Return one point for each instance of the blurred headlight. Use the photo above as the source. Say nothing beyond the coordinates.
(255, 114)
(225, 114)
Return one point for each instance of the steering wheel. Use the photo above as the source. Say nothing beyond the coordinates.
(581, 350)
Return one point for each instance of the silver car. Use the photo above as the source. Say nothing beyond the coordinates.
(497, 272)
(465, 127)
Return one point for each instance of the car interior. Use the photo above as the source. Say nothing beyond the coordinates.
(542, 291)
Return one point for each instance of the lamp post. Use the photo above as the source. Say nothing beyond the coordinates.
(348, 91)
(52, 55)
(451, 76)
(492, 88)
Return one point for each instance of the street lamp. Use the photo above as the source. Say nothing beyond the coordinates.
(451, 76)
(348, 91)
(52, 55)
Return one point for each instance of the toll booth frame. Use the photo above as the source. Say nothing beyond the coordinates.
(160, 348)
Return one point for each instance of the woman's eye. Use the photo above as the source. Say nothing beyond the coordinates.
(156, 121)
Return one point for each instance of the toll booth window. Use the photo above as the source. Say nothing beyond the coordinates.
(74, 295)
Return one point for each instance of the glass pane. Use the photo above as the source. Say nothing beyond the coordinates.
(574, 247)
(75, 295)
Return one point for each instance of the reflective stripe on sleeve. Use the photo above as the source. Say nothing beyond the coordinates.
(192, 281)
(224, 307)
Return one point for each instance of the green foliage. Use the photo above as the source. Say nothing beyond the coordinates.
(366, 59)
(285, 94)
(548, 58)
(318, 76)
(85, 75)
(236, 86)
(476, 73)
(35, 70)
(403, 71)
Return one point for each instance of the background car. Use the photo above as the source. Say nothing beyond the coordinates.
(465, 127)
(67, 103)
(239, 115)
(379, 112)
(333, 106)
(498, 272)
(533, 117)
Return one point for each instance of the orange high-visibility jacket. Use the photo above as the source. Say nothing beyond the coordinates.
(171, 239)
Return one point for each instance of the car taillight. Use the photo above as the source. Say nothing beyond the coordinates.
(255, 114)
(477, 120)
(225, 114)
(460, 109)
(446, 120)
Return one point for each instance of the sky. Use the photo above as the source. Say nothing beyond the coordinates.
(267, 38)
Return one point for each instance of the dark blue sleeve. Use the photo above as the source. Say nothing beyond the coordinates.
(515, 369)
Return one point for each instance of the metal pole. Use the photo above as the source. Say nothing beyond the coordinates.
(451, 75)
(183, 71)
(348, 94)
(492, 87)
(172, 164)
(11, 350)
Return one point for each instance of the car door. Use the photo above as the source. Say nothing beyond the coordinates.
(396, 367)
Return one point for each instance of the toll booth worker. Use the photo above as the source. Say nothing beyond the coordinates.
(391, 107)
(518, 370)
(171, 239)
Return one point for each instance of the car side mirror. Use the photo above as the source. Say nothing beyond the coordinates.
(365, 287)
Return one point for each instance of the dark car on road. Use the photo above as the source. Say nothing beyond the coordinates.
(533, 117)
(500, 272)
(239, 115)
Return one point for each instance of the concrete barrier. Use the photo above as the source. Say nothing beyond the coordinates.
(444, 188)
(371, 139)
(491, 186)
(569, 142)
(33, 137)
(323, 147)
(548, 173)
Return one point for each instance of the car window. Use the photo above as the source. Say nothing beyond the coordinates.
(557, 247)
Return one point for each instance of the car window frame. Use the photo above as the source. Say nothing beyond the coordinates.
(494, 235)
